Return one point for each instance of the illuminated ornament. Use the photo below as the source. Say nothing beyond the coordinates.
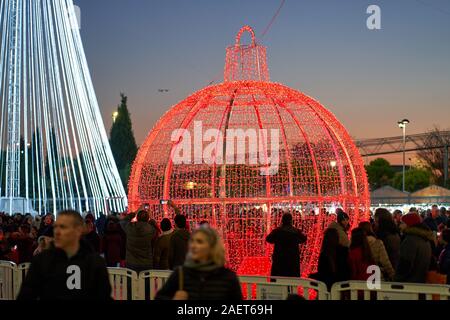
(55, 152)
(241, 153)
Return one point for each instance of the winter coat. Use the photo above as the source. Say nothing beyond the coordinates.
(139, 252)
(431, 223)
(343, 236)
(161, 252)
(329, 275)
(48, 276)
(94, 240)
(100, 224)
(444, 262)
(391, 242)
(415, 254)
(178, 248)
(358, 267)
(381, 258)
(286, 252)
(24, 248)
(113, 247)
(442, 219)
(220, 284)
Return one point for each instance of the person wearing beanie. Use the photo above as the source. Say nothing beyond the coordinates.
(411, 219)
(415, 250)
(342, 225)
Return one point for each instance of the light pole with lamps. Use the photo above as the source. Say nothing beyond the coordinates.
(402, 124)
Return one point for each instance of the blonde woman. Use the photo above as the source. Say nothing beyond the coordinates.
(203, 275)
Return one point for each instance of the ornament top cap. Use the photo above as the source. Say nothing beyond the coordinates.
(246, 62)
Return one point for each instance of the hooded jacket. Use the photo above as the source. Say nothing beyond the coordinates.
(415, 254)
(53, 276)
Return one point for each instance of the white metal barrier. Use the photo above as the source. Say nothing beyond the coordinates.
(7, 281)
(358, 290)
(124, 284)
(128, 285)
(151, 281)
(20, 273)
(279, 288)
(255, 288)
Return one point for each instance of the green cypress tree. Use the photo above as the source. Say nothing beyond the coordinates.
(122, 141)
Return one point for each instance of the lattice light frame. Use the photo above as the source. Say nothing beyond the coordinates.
(319, 169)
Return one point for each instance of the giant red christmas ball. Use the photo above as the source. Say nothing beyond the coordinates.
(240, 153)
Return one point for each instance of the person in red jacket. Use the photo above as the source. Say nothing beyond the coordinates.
(360, 256)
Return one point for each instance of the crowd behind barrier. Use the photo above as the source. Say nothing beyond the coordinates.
(411, 251)
(128, 285)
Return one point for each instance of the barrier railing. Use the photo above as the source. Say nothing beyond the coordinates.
(279, 288)
(126, 284)
(7, 281)
(151, 281)
(358, 290)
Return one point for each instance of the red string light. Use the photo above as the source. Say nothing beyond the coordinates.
(319, 167)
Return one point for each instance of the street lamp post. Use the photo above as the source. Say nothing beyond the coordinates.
(115, 115)
(402, 124)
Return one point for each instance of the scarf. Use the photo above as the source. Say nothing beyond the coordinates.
(203, 267)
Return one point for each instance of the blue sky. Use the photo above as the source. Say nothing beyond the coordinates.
(368, 79)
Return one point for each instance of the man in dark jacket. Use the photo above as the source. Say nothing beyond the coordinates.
(432, 221)
(68, 271)
(139, 252)
(342, 225)
(179, 241)
(415, 251)
(286, 254)
(162, 246)
(442, 219)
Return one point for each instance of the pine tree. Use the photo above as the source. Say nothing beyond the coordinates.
(122, 141)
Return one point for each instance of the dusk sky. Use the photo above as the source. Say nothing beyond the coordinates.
(368, 79)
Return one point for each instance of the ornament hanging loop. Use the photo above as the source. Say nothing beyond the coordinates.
(239, 35)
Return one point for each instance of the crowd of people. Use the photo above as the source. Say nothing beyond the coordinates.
(409, 247)
(141, 245)
(406, 248)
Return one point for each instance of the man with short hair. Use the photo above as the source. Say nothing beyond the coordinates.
(179, 241)
(432, 220)
(162, 246)
(342, 224)
(68, 271)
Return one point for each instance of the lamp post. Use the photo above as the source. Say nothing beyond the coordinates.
(402, 124)
(115, 115)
